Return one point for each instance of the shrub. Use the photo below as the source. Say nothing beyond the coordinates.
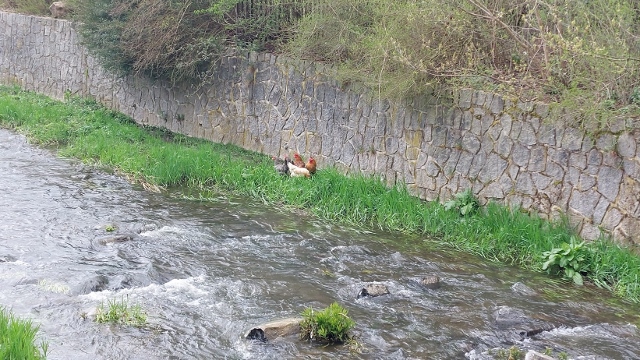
(581, 54)
(35, 7)
(177, 40)
(570, 258)
(330, 325)
(464, 202)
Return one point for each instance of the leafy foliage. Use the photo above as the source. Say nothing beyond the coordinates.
(330, 325)
(464, 202)
(570, 258)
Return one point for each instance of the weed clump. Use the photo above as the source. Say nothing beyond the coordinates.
(570, 259)
(331, 325)
(121, 312)
(464, 202)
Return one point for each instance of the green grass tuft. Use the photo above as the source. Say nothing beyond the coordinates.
(18, 338)
(121, 312)
(331, 325)
(156, 158)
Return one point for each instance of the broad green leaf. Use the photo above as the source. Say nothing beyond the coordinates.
(577, 278)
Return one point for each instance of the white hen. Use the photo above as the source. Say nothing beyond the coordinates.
(297, 171)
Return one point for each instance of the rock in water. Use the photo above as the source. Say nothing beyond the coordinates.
(373, 290)
(522, 289)
(430, 282)
(256, 334)
(275, 329)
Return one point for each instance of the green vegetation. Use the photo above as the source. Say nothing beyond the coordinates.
(581, 56)
(35, 7)
(570, 259)
(18, 338)
(464, 202)
(178, 40)
(120, 312)
(331, 325)
(156, 158)
(512, 353)
(515, 353)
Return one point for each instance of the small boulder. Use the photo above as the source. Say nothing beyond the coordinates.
(508, 317)
(59, 9)
(94, 284)
(430, 282)
(275, 329)
(373, 290)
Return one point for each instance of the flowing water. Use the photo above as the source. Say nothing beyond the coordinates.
(207, 271)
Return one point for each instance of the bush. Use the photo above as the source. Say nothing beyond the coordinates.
(464, 202)
(177, 40)
(584, 55)
(331, 325)
(35, 7)
(571, 259)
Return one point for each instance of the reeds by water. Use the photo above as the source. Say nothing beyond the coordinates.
(82, 129)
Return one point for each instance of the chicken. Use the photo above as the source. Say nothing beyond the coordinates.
(311, 165)
(281, 165)
(297, 160)
(297, 171)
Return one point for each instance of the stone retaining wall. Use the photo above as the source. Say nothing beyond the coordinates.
(503, 150)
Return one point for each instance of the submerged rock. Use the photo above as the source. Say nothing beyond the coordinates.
(373, 290)
(506, 317)
(115, 239)
(275, 329)
(519, 326)
(94, 284)
(534, 355)
(522, 289)
(7, 258)
(535, 330)
(430, 282)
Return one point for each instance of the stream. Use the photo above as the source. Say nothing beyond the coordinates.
(205, 272)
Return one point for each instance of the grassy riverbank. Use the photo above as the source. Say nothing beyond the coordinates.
(156, 158)
(17, 338)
